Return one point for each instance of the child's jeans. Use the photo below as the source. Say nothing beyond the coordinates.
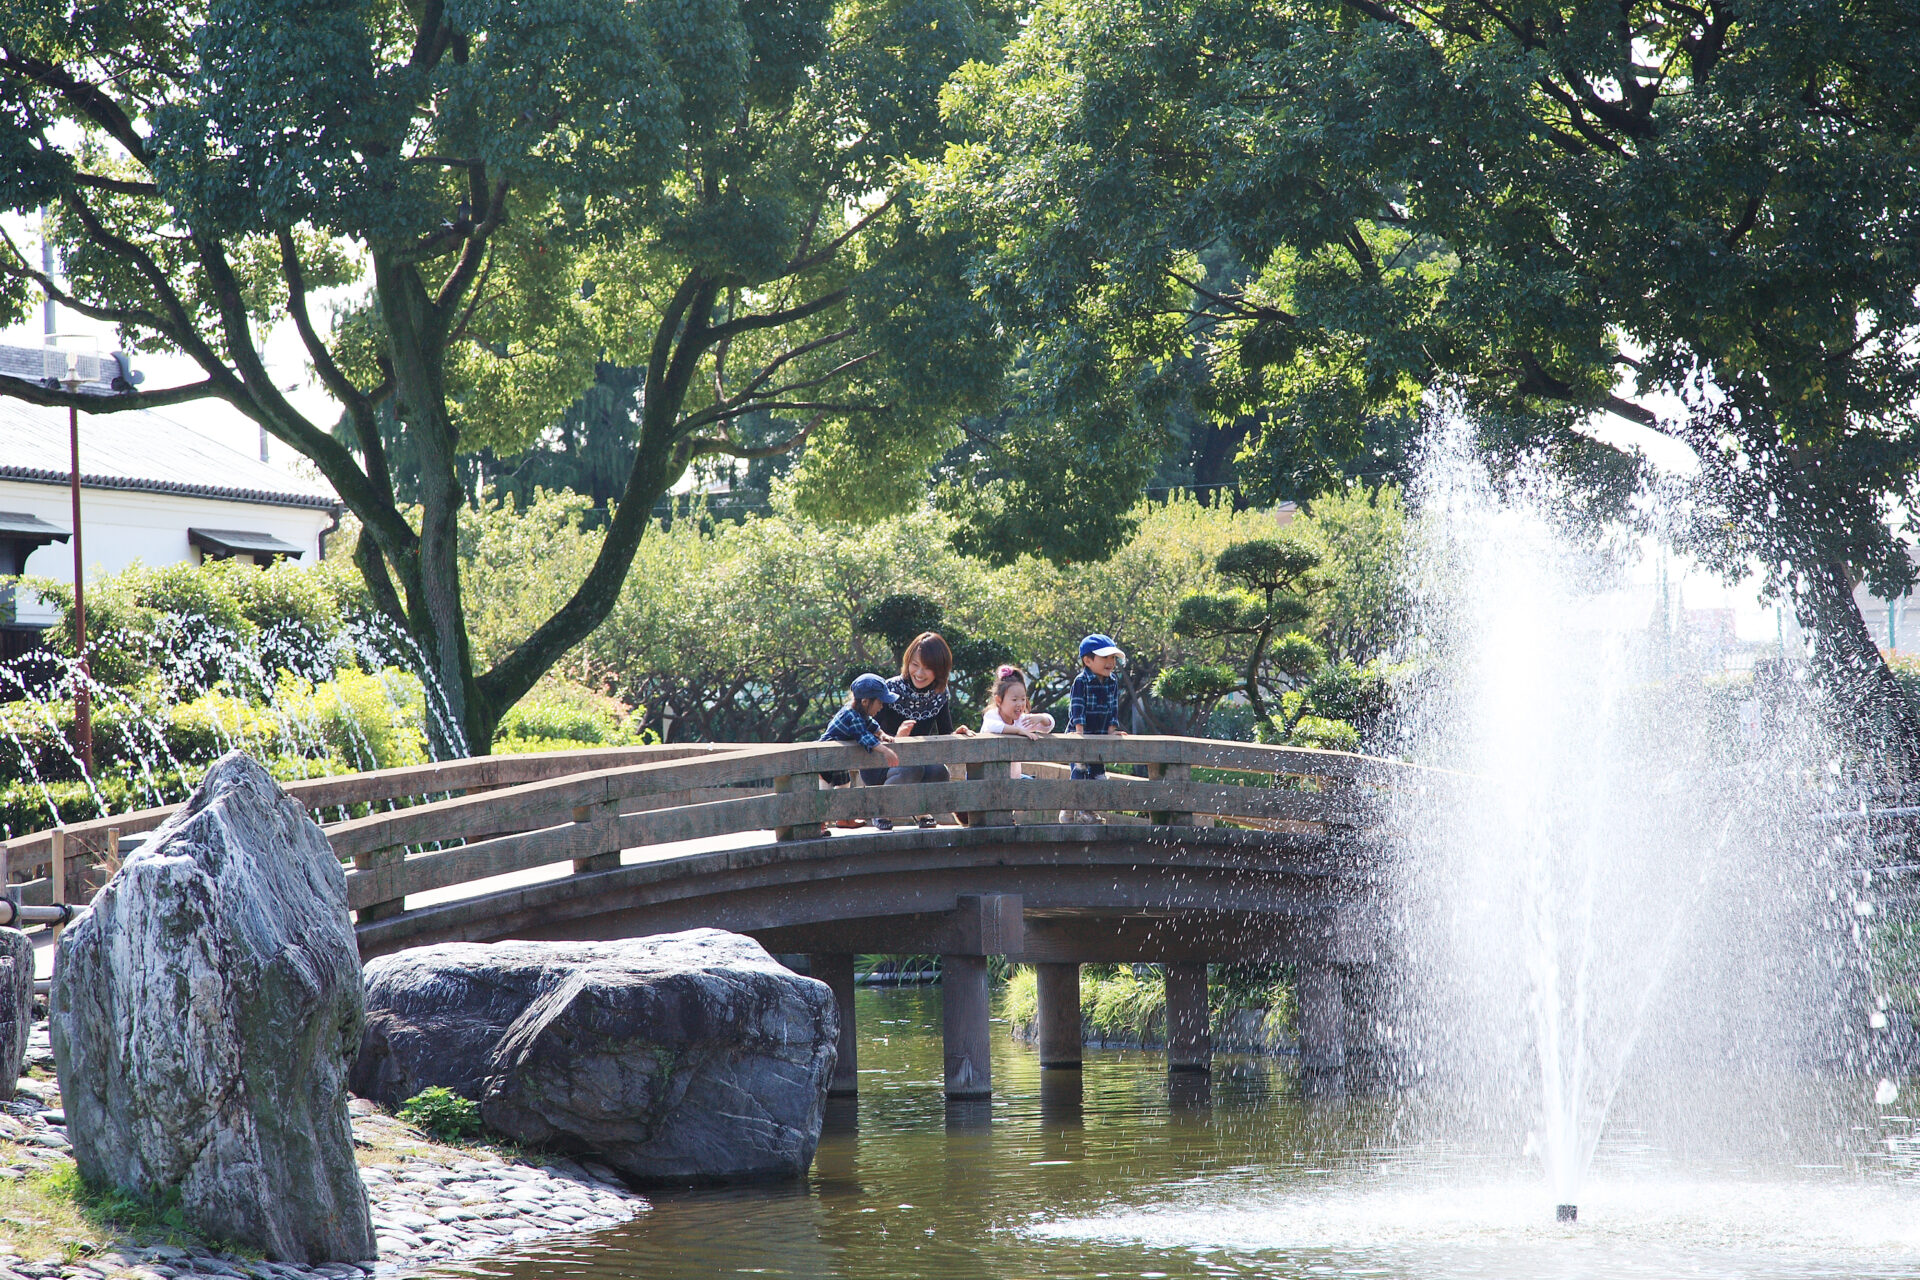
(1092, 729)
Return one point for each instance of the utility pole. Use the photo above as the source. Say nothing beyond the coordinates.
(46, 269)
(82, 695)
(64, 369)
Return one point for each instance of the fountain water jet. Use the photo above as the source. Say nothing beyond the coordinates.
(1584, 918)
(268, 694)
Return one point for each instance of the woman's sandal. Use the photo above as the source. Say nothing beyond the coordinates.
(850, 822)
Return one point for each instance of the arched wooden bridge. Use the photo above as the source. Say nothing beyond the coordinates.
(1209, 851)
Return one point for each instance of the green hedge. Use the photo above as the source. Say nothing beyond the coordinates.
(1129, 1001)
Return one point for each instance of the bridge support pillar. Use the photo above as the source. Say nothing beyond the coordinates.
(1323, 1017)
(965, 1026)
(837, 972)
(1189, 1044)
(1058, 1014)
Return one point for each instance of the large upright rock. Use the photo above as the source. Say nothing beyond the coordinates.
(16, 1007)
(684, 1057)
(205, 1012)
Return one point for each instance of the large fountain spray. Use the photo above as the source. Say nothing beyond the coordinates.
(1626, 899)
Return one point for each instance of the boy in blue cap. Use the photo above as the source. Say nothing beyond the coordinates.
(855, 723)
(1093, 705)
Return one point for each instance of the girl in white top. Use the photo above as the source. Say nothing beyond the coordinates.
(1009, 713)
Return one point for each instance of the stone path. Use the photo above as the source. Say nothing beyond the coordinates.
(427, 1208)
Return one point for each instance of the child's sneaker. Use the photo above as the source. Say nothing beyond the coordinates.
(1082, 816)
(883, 824)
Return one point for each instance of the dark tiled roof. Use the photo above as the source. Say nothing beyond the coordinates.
(142, 450)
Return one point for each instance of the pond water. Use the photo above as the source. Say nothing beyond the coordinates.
(1120, 1171)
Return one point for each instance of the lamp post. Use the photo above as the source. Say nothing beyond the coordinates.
(70, 369)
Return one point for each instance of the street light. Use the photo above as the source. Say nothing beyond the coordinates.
(70, 362)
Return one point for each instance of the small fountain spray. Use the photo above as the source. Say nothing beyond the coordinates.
(267, 694)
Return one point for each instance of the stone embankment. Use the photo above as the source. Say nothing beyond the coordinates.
(431, 1203)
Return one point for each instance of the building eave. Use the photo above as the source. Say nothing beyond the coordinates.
(35, 475)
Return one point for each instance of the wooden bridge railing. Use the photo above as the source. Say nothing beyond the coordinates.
(27, 862)
(508, 814)
(591, 818)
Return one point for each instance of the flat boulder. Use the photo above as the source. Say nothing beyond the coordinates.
(687, 1057)
(204, 1013)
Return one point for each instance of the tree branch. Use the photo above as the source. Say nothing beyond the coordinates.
(336, 381)
(121, 186)
(704, 445)
(34, 392)
(48, 286)
(1378, 12)
(1235, 303)
(1632, 412)
(799, 265)
(793, 353)
(774, 319)
(475, 252)
(89, 99)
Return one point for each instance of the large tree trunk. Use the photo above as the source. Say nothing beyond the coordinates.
(1870, 705)
(464, 720)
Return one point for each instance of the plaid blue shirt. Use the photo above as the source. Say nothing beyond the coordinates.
(851, 725)
(1094, 704)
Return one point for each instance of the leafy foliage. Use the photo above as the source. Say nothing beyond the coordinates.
(557, 716)
(899, 618)
(507, 197)
(1325, 215)
(441, 1113)
(1273, 577)
(1129, 1001)
(748, 630)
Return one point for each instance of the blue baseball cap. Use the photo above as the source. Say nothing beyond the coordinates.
(872, 686)
(1099, 646)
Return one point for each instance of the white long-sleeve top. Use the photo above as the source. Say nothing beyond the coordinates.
(1037, 721)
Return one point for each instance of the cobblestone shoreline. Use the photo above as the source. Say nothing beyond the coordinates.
(431, 1203)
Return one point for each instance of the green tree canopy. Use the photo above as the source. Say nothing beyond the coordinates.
(1273, 577)
(1324, 212)
(705, 189)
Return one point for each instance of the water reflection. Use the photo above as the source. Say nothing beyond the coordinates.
(1120, 1169)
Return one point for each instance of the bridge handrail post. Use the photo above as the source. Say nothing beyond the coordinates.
(374, 860)
(57, 871)
(786, 784)
(597, 836)
(987, 817)
(1170, 773)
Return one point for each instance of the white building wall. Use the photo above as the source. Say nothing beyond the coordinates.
(121, 527)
